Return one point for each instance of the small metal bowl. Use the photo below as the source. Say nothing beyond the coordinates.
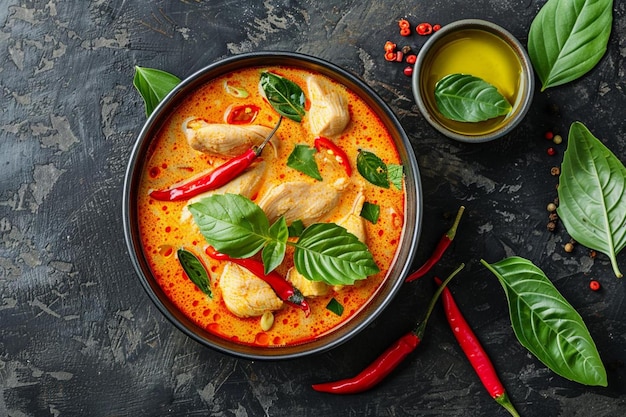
(412, 220)
(423, 81)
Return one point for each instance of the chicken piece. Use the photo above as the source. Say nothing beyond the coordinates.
(328, 114)
(222, 139)
(245, 294)
(353, 222)
(307, 287)
(303, 201)
(246, 184)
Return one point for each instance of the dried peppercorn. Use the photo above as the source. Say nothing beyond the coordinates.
(557, 139)
(551, 151)
(594, 285)
(424, 29)
(406, 49)
(548, 135)
(555, 171)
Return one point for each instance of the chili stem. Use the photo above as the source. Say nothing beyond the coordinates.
(440, 249)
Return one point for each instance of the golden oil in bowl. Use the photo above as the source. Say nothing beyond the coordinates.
(483, 50)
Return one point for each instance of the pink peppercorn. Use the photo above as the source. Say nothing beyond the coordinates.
(408, 71)
(594, 285)
(551, 151)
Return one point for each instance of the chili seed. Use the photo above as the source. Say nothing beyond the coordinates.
(408, 71)
(557, 139)
(594, 285)
(569, 247)
(551, 151)
(555, 171)
(551, 207)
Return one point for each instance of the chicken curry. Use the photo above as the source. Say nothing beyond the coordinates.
(315, 178)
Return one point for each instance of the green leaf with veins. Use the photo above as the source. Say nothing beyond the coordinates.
(195, 270)
(302, 159)
(372, 168)
(285, 96)
(153, 85)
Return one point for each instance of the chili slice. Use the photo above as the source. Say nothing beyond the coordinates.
(241, 115)
(220, 176)
(283, 288)
(440, 249)
(474, 351)
(389, 359)
(322, 143)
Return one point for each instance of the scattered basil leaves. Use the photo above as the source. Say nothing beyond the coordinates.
(195, 270)
(370, 212)
(466, 98)
(153, 85)
(335, 307)
(568, 38)
(327, 252)
(302, 159)
(592, 185)
(285, 96)
(372, 168)
(546, 324)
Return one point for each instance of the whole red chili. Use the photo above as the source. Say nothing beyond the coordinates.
(283, 288)
(220, 176)
(322, 143)
(389, 359)
(474, 351)
(440, 249)
(424, 29)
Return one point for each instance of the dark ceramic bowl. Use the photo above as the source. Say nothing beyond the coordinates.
(412, 221)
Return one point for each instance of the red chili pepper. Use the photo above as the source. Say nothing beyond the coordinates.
(404, 24)
(410, 59)
(424, 29)
(389, 359)
(220, 176)
(240, 115)
(283, 288)
(474, 351)
(443, 244)
(341, 157)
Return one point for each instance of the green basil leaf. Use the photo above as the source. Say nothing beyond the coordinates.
(395, 173)
(285, 96)
(153, 85)
(296, 228)
(302, 159)
(274, 251)
(546, 324)
(195, 270)
(568, 38)
(232, 224)
(372, 168)
(335, 307)
(591, 192)
(466, 98)
(329, 253)
(370, 212)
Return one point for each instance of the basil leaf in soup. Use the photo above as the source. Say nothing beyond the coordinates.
(274, 250)
(546, 324)
(592, 185)
(568, 38)
(466, 98)
(370, 212)
(372, 168)
(335, 307)
(285, 96)
(327, 252)
(153, 85)
(195, 270)
(395, 173)
(302, 159)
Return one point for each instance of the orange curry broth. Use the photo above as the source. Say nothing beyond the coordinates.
(171, 160)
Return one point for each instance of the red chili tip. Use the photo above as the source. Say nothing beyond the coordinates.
(594, 285)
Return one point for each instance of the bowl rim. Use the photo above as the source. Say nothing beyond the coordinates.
(400, 265)
(526, 68)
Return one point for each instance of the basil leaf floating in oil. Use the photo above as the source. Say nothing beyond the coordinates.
(302, 159)
(335, 307)
(372, 168)
(592, 185)
(153, 85)
(237, 227)
(395, 173)
(370, 212)
(195, 270)
(546, 324)
(466, 98)
(568, 38)
(285, 96)
(329, 253)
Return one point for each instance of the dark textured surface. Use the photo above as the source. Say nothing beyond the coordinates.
(78, 335)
